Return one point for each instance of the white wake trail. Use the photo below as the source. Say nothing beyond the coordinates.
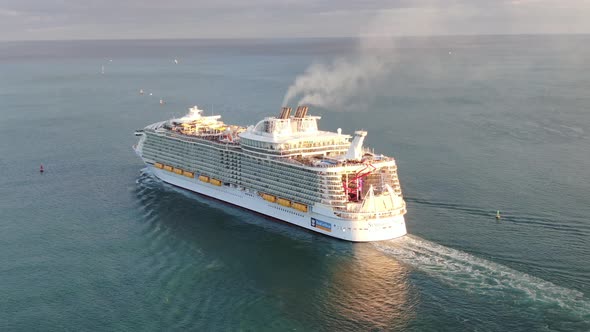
(477, 275)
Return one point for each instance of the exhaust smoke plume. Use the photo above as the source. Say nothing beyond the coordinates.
(338, 84)
(350, 82)
(347, 82)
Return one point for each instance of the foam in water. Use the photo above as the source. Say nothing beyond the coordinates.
(473, 274)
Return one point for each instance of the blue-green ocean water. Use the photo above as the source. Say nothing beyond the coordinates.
(96, 243)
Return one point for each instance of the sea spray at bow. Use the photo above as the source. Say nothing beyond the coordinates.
(477, 275)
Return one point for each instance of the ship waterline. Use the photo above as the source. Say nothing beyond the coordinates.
(284, 168)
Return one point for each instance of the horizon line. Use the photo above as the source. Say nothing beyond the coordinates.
(298, 38)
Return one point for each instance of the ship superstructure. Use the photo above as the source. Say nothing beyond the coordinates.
(283, 167)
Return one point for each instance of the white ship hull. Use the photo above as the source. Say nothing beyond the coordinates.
(318, 219)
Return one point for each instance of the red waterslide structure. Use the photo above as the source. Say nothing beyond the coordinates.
(354, 193)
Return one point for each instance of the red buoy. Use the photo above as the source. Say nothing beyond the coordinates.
(41, 168)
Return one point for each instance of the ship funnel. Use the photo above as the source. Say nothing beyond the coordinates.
(304, 112)
(355, 151)
(298, 112)
(285, 112)
(301, 112)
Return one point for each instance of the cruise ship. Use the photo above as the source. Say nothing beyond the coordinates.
(283, 167)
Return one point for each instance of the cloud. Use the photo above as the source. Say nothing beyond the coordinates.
(9, 13)
(287, 18)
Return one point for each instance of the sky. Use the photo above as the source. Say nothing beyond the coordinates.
(147, 19)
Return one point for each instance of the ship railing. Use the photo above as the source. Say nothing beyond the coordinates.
(370, 215)
(297, 152)
(302, 149)
(208, 138)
